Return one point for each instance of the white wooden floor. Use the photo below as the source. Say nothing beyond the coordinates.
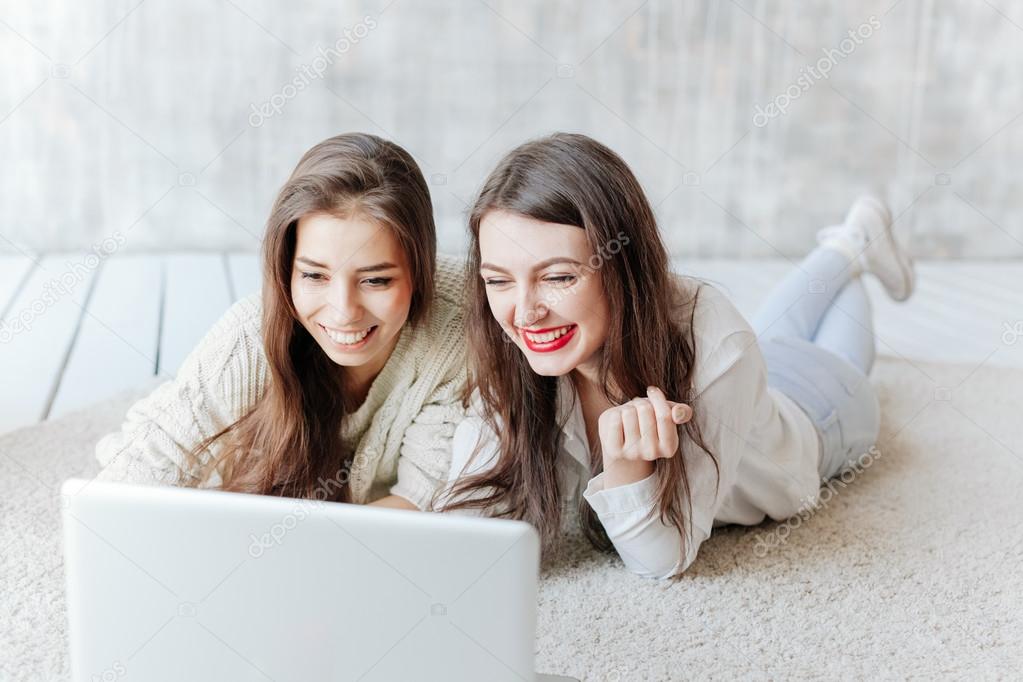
(116, 326)
(133, 317)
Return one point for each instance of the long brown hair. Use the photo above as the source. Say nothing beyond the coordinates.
(574, 180)
(290, 441)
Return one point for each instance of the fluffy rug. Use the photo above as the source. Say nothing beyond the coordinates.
(909, 568)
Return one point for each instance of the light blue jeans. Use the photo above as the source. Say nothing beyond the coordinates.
(817, 338)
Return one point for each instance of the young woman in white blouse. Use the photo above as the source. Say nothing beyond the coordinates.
(340, 381)
(602, 379)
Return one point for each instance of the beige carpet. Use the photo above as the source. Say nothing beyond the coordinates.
(911, 570)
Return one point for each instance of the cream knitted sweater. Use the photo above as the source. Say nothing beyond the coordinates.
(401, 434)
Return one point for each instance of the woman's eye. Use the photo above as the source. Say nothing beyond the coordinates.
(378, 281)
(561, 279)
(315, 276)
(494, 281)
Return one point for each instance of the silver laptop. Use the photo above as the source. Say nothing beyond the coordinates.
(176, 584)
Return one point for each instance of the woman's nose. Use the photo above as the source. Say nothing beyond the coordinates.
(529, 308)
(346, 304)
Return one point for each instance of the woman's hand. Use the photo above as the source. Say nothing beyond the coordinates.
(635, 434)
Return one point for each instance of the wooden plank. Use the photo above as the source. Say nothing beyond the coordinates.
(244, 271)
(998, 275)
(37, 333)
(13, 270)
(958, 313)
(117, 342)
(745, 283)
(196, 294)
(996, 289)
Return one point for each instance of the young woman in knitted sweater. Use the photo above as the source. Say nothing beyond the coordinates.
(342, 380)
(641, 397)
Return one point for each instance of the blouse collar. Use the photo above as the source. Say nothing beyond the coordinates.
(573, 426)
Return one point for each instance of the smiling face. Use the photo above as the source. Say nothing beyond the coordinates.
(352, 289)
(542, 292)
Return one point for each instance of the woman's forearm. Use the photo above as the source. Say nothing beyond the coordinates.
(394, 502)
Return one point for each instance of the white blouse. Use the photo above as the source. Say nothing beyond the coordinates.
(767, 449)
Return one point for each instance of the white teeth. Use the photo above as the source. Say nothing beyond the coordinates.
(347, 339)
(547, 337)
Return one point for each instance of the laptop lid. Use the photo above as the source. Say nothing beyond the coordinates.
(169, 583)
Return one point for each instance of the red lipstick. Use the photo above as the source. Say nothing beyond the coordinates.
(548, 346)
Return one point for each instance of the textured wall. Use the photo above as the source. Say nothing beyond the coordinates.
(149, 118)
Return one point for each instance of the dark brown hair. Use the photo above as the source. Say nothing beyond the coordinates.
(574, 180)
(289, 442)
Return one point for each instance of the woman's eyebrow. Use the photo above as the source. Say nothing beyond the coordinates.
(554, 261)
(539, 266)
(368, 268)
(310, 261)
(377, 268)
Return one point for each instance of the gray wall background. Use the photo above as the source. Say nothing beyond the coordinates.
(138, 117)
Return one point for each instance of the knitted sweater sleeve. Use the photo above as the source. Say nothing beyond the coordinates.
(425, 455)
(426, 446)
(217, 384)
